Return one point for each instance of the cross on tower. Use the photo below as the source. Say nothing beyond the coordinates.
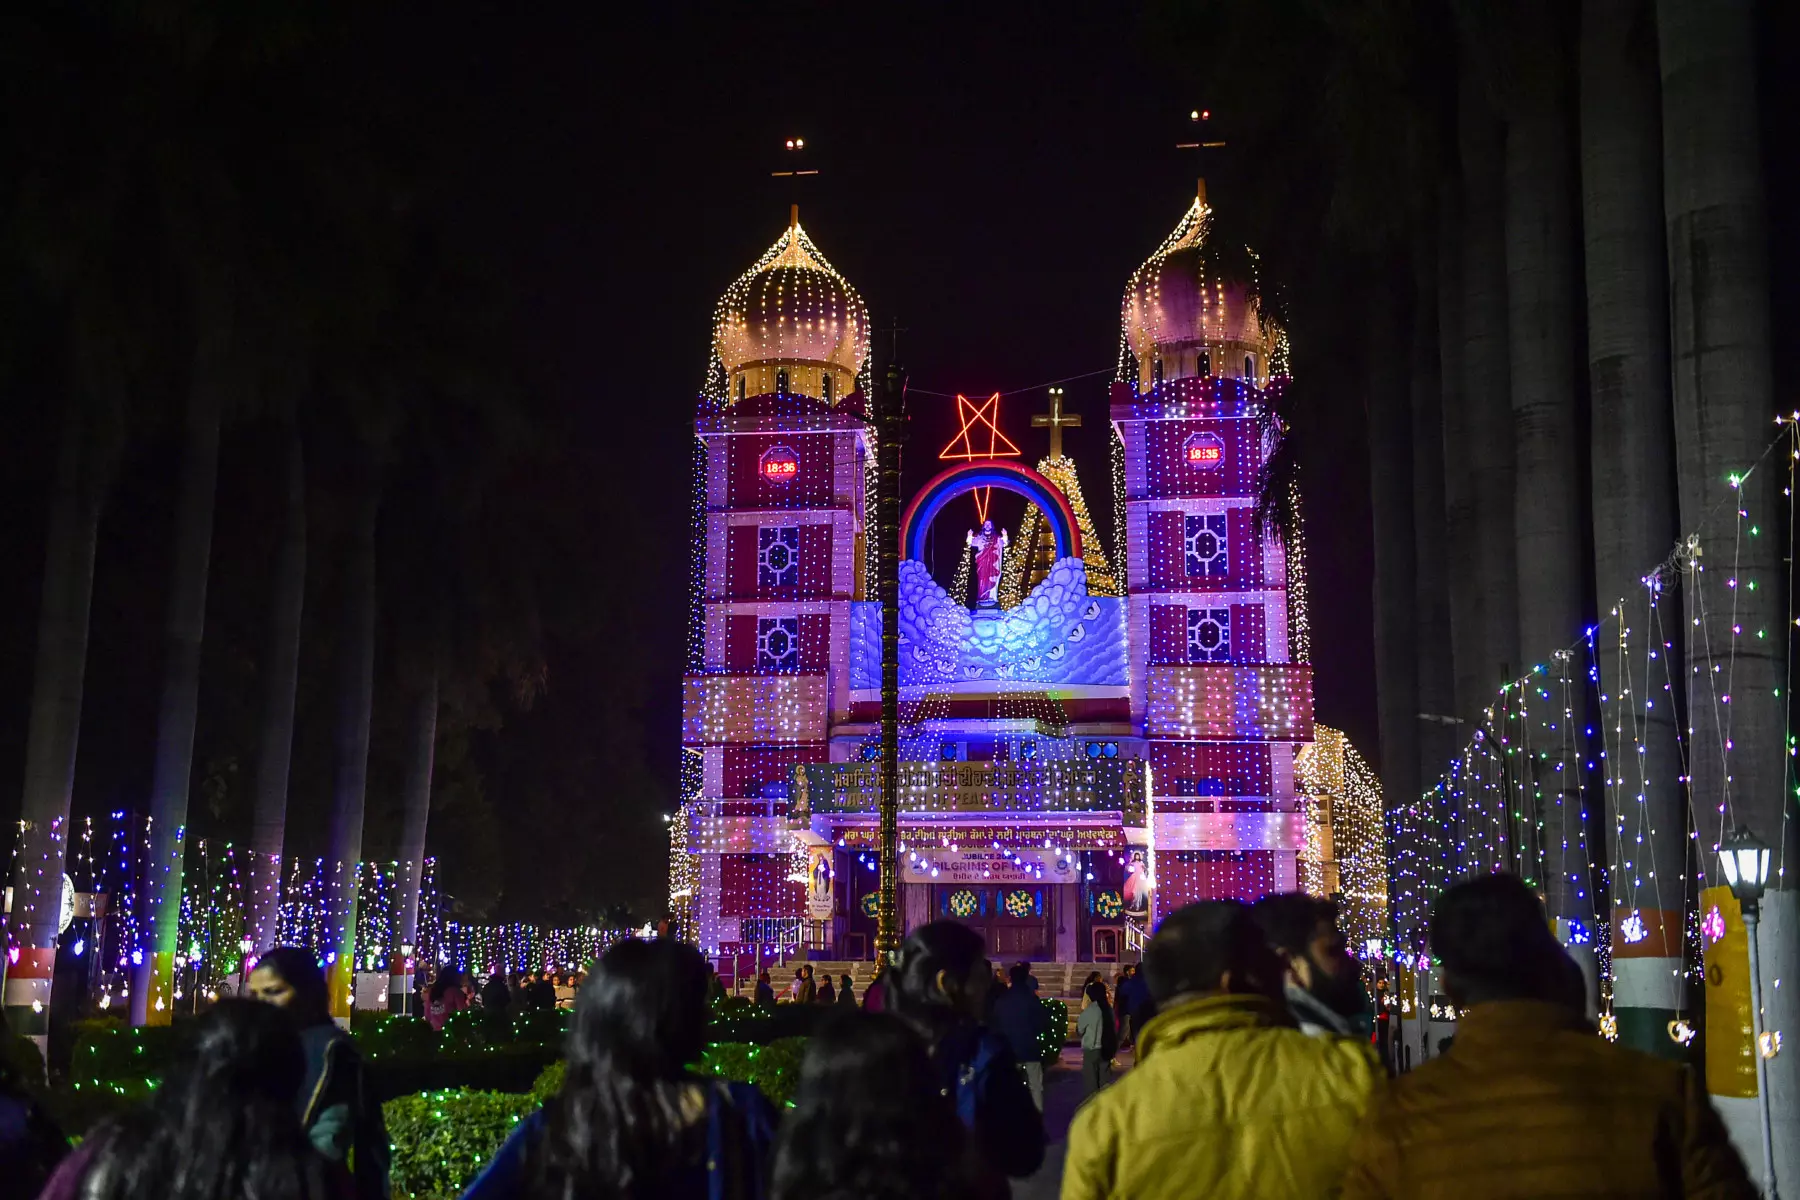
(1056, 421)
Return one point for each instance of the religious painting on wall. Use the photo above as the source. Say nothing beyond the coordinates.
(818, 883)
(1137, 882)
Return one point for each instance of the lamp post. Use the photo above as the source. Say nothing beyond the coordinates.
(1744, 858)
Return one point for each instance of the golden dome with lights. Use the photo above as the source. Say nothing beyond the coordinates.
(1183, 318)
(791, 324)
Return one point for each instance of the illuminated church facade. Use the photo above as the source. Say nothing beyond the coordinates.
(1088, 740)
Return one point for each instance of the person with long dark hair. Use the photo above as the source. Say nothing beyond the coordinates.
(445, 997)
(870, 1121)
(940, 987)
(341, 1114)
(632, 1121)
(221, 1125)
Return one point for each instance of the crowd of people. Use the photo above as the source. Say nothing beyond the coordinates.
(452, 992)
(1253, 1076)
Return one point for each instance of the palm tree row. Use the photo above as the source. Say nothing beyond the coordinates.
(1567, 176)
(210, 225)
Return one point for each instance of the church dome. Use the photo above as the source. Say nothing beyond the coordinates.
(791, 324)
(1182, 317)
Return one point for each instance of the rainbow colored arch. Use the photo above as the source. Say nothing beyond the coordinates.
(963, 478)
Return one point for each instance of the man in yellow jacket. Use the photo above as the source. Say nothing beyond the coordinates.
(1228, 1099)
(1531, 1102)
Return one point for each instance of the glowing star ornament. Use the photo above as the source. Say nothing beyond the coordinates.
(1632, 929)
(1681, 1032)
(978, 440)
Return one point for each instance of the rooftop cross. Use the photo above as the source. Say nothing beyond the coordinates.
(1056, 421)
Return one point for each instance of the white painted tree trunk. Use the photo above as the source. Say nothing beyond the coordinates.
(281, 672)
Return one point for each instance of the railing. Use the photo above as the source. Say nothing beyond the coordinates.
(1078, 785)
(1135, 935)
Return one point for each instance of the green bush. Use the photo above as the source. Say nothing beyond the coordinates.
(1056, 1029)
(108, 1052)
(544, 1026)
(475, 1029)
(774, 1068)
(549, 1082)
(395, 1036)
(443, 1139)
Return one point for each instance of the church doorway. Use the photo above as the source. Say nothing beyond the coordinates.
(1013, 919)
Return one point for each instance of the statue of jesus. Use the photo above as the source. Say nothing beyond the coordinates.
(990, 551)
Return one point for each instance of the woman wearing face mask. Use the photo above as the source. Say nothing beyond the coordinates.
(334, 1102)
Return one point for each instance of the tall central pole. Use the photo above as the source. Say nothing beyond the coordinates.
(890, 427)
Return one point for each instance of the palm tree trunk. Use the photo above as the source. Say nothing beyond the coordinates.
(356, 697)
(1716, 224)
(1487, 380)
(1431, 579)
(1396, 633)
(421, 749)
(283, 670)
(1461, 530)
(1633, 467)
(55, 727)
(152, 991)
(891, 427)
(1541, 323)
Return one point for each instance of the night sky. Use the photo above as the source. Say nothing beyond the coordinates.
(989, 179)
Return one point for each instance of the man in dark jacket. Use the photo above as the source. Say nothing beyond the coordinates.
(1132, 999)
(1512, 1110)
(1018, 1017)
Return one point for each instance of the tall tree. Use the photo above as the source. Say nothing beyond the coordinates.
(1527, 54)
(421, 752)
(1716, 225)
(350, 744)
(1633, 465)
(1431, 579)
(1487, 379)
(1461, 531)
(1395, 597)
(152, 990)
(281, 679)
(83, 468)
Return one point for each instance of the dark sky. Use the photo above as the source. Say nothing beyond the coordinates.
(990, 177)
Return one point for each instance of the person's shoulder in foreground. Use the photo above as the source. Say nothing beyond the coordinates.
(1518, 1105)
(1228, 1099)
(1511, 1112)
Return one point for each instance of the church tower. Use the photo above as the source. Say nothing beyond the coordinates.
(781, 467)
(1214, 685)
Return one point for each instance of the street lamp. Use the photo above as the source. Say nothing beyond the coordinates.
(1744, 858)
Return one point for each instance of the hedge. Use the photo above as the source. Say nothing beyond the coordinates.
(442, 1139)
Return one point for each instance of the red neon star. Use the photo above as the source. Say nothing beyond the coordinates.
(978, 419)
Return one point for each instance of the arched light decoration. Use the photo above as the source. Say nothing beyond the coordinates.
(792, 314)
(1179, 320)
